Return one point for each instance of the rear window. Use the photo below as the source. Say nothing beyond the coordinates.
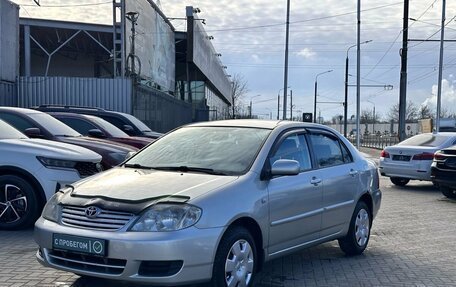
(431, 140)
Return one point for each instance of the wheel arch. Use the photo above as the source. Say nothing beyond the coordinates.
(12, 170)
(367, 198)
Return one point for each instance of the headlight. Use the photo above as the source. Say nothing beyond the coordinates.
(51, 210)
(56, 163)
(168, 217)
(118, 157)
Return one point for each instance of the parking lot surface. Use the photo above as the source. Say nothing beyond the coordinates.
(412, 243)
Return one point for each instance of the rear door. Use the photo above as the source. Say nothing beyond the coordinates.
(340, 180)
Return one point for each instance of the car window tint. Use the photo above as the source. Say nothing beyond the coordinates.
(8, 132)
(16, 121)
(327, 150)
(346, 153)
(293, 147)
(79, 125)
(120, 124)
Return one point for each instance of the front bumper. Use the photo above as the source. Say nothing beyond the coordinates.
(444, 177)
(194, 247)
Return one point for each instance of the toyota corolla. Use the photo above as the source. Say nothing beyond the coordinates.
(211, 202)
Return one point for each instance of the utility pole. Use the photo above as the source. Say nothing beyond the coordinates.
(346, 95)
(291, 105)
(278, 106)
(439, 85)
(358, 75)
(403, 83)
(315, 102)
(285, 80)
(133, 18)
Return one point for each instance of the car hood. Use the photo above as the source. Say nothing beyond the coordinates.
(51, 149)
(131, 189)
(98, 143)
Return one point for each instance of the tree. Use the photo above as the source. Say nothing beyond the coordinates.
(411, 112)
(425, 112)
(238, 90)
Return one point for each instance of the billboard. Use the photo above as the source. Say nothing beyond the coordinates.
(154, 44)
(9, 41)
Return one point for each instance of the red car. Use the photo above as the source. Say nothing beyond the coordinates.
(96, 127)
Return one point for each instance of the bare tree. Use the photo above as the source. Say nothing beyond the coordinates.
(425, 112)
(238, 90)
(411, 112)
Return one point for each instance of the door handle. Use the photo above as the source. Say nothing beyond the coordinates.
(353, 172)
(315, 181)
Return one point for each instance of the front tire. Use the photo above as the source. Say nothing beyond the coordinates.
(448, 192)
(399, 181)
(357, 238)
(19, 205)
(236, 259)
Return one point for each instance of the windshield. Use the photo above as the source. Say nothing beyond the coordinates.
(227, 150)
(54, 126)
(140, 125)
(8, 132)
(110, 128)
(431, 140)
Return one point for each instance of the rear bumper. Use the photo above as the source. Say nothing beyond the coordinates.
(406, 171)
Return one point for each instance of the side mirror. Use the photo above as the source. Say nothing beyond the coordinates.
(96, 133)
(128, 128)
(33, 132)
(285, 167)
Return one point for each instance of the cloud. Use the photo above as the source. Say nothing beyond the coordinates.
(448, 101)
(307, 53)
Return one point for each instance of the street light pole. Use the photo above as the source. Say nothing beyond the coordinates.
(439, 86)
(315, 96)
(373, 117)
(250, 108)
(285, 81)
(346, 87)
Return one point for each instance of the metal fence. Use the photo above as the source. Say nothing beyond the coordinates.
(112, 94)
(160, 111)
(8, 94)
(374, 141)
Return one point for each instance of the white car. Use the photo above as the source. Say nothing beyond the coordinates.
(32, 170)
(411, 159)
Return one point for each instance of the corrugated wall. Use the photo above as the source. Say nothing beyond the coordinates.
(8, 94)
(112, 94)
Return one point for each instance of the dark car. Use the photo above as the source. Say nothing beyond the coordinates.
(96, 127)
(36, 124)
(443, 171)
(127, 123)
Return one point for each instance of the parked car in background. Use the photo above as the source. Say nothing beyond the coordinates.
(96, 127)
(36, 124)
(211, 201)
(33, 170)
(411, 159)
(443, 171)
(125, 122)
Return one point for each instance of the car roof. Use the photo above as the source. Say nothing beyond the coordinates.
(254, 123)
(20, 110)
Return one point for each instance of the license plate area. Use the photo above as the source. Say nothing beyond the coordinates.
(399, 157)
(79, 244)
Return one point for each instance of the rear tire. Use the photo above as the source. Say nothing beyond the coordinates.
(357, 238)
(448, 192)
(399, 181)
(19, 204)
(235, 262)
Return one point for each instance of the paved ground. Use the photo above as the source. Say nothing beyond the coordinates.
(413, 243)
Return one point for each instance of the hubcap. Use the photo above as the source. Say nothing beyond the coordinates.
(362, 227)
(239, 264)
(13, 204)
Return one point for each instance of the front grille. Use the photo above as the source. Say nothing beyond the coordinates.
(86, 169)
(84, 262)
(105, 220)
(160, 268)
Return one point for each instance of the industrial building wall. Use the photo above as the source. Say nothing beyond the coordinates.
(8, 94)
(112, 94)
(9, 41)
(160, 111)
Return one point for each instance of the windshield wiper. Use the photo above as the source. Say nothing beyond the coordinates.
(184, 168)
(137, 165)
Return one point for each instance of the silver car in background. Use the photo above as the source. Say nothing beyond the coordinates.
(411, 159)
(211, 202)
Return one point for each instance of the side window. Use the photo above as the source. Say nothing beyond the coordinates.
(327, 150)
(80, 126)
(118, 123)
(293, 147)
(16, 121)
(346, 153)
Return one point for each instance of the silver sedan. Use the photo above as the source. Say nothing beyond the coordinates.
(211, 202)
(411, 159)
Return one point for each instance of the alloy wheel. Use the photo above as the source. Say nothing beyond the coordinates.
(362, 225)
(13, 204)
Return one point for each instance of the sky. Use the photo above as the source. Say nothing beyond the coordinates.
(250, 35)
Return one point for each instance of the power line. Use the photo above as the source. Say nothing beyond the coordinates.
(66, 5)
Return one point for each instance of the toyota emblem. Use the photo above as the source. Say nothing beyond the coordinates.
(92, 212)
